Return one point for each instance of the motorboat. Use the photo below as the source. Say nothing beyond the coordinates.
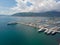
(41, 29)
(54, 32)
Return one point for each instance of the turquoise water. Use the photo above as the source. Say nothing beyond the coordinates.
(24, 35)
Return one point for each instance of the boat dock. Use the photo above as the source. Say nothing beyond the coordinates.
(48, 29)
(48, 26)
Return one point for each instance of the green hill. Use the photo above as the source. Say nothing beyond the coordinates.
(46, 14)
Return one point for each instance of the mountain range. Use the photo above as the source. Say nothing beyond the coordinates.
(44, 14)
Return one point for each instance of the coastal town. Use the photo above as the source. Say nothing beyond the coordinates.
(46, 26)
(49, 28)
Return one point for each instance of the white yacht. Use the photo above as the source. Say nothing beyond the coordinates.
(53, 32)
(46, 30)
(49, 32)
(41, 29)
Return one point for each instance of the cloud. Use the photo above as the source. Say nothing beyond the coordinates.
(36, 6)
(5, 11)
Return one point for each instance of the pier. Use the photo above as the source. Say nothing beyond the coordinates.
(45, 28)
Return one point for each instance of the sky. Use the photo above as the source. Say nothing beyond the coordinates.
(8, 7)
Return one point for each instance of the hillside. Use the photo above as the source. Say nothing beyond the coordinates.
(46, 14)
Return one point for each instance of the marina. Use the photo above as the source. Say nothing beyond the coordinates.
(49, 28)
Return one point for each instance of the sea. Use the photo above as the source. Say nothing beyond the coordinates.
(24, 35)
